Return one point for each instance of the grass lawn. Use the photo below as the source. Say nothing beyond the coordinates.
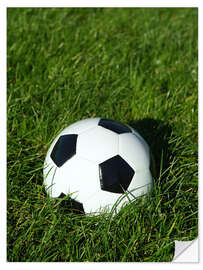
(135, 65)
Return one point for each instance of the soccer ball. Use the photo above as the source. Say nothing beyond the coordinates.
(99, 162)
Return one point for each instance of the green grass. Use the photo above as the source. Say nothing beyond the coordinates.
(134, 65)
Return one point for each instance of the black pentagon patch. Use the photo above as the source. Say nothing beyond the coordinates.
(114, 126)
(115, 175)
(64, 149)
(70, 205)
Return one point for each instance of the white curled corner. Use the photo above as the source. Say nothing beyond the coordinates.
(186, 251)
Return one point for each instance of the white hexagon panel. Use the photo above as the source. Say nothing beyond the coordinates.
(75, 175)
(135, 150)
(81, 126)
(97, 144)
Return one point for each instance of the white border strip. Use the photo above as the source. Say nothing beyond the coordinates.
(99, 3)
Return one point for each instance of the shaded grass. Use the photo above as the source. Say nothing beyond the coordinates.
(137, 66)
